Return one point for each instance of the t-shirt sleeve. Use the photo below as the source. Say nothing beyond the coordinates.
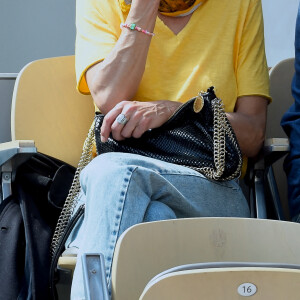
(252, 69)
(94, 39)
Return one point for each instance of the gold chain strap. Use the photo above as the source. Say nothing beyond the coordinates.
(72, 198)
(221, 127)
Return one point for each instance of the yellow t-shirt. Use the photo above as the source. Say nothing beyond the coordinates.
(222, 45)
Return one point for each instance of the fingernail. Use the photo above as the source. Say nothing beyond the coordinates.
(103, 139)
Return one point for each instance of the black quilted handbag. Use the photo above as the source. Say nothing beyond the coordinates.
(198, 136)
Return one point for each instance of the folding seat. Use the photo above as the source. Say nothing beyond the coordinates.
(277, 144)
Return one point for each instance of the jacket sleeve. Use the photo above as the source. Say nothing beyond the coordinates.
(291, 125)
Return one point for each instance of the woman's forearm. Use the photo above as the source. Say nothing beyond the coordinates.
(117, 78)
(249, 122)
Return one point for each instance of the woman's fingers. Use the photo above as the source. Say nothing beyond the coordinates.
(108, 121)
(126, 131)
(117, 119)
(117, 127)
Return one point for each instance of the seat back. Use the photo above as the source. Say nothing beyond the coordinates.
(226, 284)
(281, 77)
(47, 108)
(147, 249)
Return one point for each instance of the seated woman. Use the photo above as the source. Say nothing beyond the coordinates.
(145, 77)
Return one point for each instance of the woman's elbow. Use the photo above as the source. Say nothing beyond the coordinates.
(106, 97)
(102, 100)
(254, 144)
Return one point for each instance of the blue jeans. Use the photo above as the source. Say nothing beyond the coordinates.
(291, 125)
(120, 190)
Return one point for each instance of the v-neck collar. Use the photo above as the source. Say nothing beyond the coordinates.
(169, 31)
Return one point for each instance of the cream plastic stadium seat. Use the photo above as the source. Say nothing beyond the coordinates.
(146, 250)
(47, 108)
(47, 113)
(267, 187)
(281, 77)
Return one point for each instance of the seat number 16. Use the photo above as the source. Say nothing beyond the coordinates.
(247, 289)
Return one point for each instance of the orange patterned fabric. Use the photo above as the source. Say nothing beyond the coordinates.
(175, 5)
(168, 7)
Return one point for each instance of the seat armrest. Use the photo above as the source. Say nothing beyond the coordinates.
(70, 252)
(274, 149)
(10, 149)
(67, 263)
(12, 155)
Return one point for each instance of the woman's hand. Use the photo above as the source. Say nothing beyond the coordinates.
(141, 117)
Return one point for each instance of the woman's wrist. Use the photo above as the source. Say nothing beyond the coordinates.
(133, 26)
(143, 14)
(167, 107)
(145, 5)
